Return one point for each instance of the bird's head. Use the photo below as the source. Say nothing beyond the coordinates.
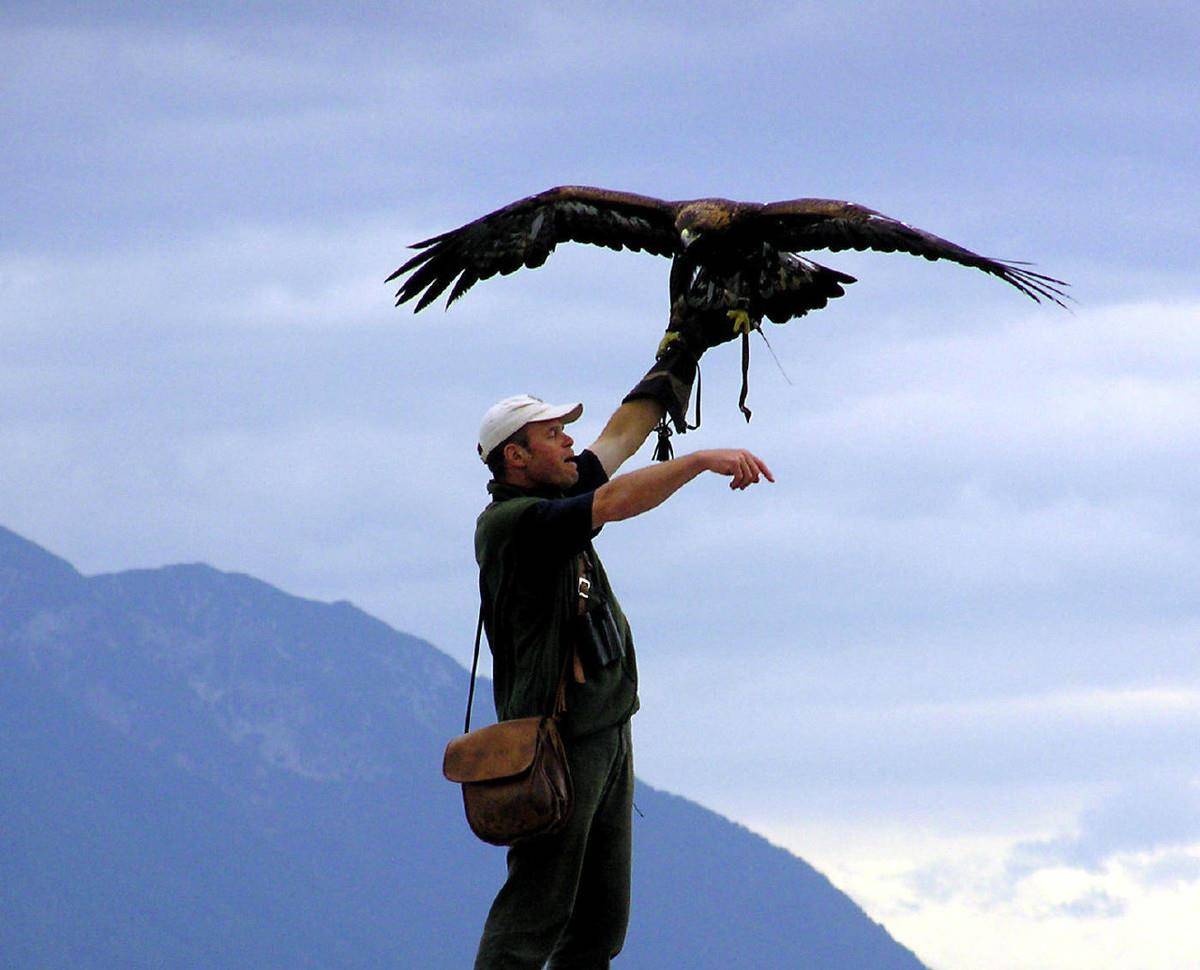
(704, 217)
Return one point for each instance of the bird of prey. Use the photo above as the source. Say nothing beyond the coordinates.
(736, 258)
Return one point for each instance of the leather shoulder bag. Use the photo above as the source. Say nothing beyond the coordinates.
(515, 781)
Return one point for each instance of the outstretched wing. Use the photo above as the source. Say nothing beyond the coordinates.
(524, 233)
(807, 224)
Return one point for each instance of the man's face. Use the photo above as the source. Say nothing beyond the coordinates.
(547, 459)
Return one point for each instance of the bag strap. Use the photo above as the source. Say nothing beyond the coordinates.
(474, 667)
(560, 693)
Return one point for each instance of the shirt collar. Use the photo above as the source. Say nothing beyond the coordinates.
(503, 491)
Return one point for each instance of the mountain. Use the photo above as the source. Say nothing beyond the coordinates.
(201, 771)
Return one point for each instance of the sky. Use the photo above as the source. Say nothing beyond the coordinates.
(949, 658)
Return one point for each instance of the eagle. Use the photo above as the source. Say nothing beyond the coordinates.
(740, 259)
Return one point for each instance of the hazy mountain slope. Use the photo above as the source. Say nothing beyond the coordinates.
(199, 770)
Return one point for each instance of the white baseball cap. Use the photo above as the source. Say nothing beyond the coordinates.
(513, 413)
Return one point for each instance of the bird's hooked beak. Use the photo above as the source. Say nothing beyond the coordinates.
(688, 236)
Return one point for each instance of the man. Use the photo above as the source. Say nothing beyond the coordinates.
(549, 612)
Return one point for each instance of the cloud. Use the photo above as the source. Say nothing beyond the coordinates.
(1140, 841)
(1096, 904)
(1156, 815)
(981, 884)
(1171, 869)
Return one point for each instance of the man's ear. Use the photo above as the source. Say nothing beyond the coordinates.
(515, 456)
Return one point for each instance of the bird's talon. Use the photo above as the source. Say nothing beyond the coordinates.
(741, 320)
(670, 337)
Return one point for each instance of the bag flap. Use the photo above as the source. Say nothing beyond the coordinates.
(496, 751)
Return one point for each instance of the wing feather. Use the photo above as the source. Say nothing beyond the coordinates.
(525, 233)
(800, 225)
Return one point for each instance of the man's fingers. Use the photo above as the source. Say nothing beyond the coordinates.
(743, 468)
(751, 465)
(753, 469)
(744, 474)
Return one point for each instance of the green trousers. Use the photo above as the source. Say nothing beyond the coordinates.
(566, 898)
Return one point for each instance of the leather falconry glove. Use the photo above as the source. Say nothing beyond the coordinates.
(669, 380)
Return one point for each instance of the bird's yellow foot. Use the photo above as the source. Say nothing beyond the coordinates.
(741, 320)
(670, 337)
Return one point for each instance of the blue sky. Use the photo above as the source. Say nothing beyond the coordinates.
(950, 657)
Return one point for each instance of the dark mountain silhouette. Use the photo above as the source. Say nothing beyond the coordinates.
(201, 771)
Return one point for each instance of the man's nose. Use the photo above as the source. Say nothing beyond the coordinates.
(568, 439)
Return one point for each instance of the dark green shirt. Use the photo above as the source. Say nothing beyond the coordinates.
(527, 544)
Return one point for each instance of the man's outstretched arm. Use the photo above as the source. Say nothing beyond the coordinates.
(641, 490)
(625, 432)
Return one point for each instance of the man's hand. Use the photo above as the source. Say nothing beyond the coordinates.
(640, 491)
(745, 469)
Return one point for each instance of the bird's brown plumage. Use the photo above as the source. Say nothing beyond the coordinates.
(726, 255)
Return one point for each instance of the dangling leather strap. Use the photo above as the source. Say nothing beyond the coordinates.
(663, 449)
(745, 374)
